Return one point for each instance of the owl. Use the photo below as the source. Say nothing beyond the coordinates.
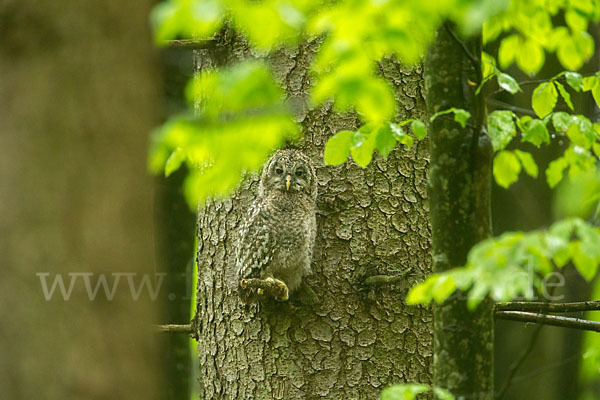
(277, 237)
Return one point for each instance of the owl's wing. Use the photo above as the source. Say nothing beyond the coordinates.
(255, 248)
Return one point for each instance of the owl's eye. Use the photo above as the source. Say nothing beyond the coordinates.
(279, 171)
(299, 172)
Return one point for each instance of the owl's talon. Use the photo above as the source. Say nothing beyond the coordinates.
(284, 293)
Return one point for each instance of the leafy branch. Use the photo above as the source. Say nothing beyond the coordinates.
(515, 263)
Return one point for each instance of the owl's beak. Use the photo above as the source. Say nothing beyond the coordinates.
(288, 180)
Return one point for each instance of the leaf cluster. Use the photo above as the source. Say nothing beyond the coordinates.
(515, 263)
(238, 108)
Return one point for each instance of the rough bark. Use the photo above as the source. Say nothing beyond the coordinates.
(78, 97)
(459, 190)
(356, 340)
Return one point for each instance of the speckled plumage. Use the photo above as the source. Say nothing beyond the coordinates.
(276, 240)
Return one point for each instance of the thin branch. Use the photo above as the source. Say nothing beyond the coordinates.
(565, 322)
(548, 307)
(470, 55)
(511, 107)
(172, 328)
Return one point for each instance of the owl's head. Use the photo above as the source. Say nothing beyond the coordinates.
(289, 172)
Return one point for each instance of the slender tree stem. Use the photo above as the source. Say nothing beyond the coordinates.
(565, 322)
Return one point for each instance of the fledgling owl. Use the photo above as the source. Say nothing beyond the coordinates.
(276, 240)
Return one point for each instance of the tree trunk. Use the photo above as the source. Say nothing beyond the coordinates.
(459, 190)
(78, 98)
(353, 342)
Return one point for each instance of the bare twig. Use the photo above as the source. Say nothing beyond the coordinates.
(172, 328)
(565, 322)
(548, 307)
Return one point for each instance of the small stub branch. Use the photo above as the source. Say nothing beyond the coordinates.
(172, 328)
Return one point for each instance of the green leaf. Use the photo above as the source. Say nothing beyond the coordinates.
(400, 136)
(337, 148)
(362, 148)
(385, 141)
(544, 99)
(501, 128)
(528, 163)
(580, 132)
(575, 80)
(506, 168)
(586, 265)
(461, 116)
(403, 392)
(596, 92)
(508, 83)
(488, 65)
(561, 121)
(575, 20)
(418, 128)
(443, 288)
(174, 161)
(422, 292)
(509, 48)
(565, 95)
(535, 132)
(555, 171)
(530, 57)
(443, 394)
(574, 49)
(588, 83)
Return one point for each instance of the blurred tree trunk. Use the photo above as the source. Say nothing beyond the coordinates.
(353, 342)
(78, 97)
(459, 191)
